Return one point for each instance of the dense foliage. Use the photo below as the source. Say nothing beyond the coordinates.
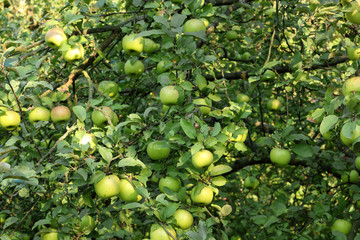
(264, 75)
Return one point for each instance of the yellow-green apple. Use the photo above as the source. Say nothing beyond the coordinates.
(357, 163)
(10, 120)
(127, 192)
(50, 234)
(100, 120)
(169, 182)
(132, 44)
(60, 114)
(240, 98)
(150, 46)
(194, 25)
(171, 95)
(75, 52)
(108, 187)
(158, 233)
(354, 176)
(273, 104)
(205, 21)
(202, 196)
(268, 75)
(202, 158)
(231, 35)
(87, 224)
(54, 37)
(354, 135)
(280, 156)
(353, 15)
(133, 68)
(251, 182)
(183, 218)
(353, 53)
(39, 114)
(158, 150)
(351, 85)
(342, 225)
(109, 88)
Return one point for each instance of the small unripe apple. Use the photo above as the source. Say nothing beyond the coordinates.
(194, 25)
(100, 120)
(171, 95)
(280, 157)
(10, 120)
(158, 150)
(202, 158)
(183, 218)
(54, 37)
(39, 114)
(127, 192)
(108, 187)
(273, 104)
(169, 182)
(134, 69)
(204, 197)
(75, 52)
(132, 45)
(60, 114)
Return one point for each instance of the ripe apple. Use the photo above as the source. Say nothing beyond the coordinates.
(39, 114)
(87, 224)
(202, 158)
(169, 182)
(10, 120)
(150, 46)
(132, 45)
(51, 234)
(75, 52)
(54, 37)
(134, 69)
(108, 187)
(127, 192)
(60, 114)
(251, 182)
(99, 118)
(354, 15)
(204, 197)
(351, 85)
(163, 66)
(280, 157)
(183, 218)
(354, 176)
(205, 102)
(109, 88)
(273, 104)
(158, 233)
(353, 53)
(268, 75)
(240, 98)
(158, 150)
(231, 35)
(342, 225)
(357, 163)
(194, 25)
(171, 95)
(354, 136)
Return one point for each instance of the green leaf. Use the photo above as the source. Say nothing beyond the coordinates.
(80, 112)
(106, 153)
(188, 128)
(303, 150)
(131, 162)
(219, 181)
(97, 177)
(220, 169)
(177, 20)
(162, 21)
(132, 205)
(10, 221)
(259, 219)
(278, 208)
(149, 33)
(327, 123)
(41, 222)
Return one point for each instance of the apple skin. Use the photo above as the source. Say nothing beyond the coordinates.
(194, 25)
(10, 120)
(39, 114)
(240, 98)
(205, 21)
(280, 157)
(87, 224)
(251, 182)
(205, 102)
(132, 45)
(52, 235)
(354, 15)
(163, 66)
(202, 158)
(205, 196)
(108, 187)
(273, 104)
(351, 85)
(354, 176)
(169, 182)
(268, 75)
(109, 88)
(99, 118)
(127, 192)
(150, 46)
(54, 37)
(158, 150)
(353, 53)
(171, 95)
(158, 233)
(231, 35)
(134, 69)
(357, 163)
(355, 135)
(60, 114)
(74, 53)
(183, 218)
(342, 225)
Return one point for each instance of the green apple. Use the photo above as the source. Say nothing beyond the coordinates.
(273, 104)
(354, 135)
(342, 225)
(169, 182)
(87, 224)
(202, 158)
(280, 157)
(50, 234)
(132, 44)
(183, 218)
(344, 178)
(158, 150)
(171, 95)
(134, 69)
(327, 135)
(194, 25)
(150, 46)
(251, 182)
(202, 196)
(109, 88)
(354, 15)
(351, 85)
(54, 37)
(163, 66)
(75, 52)
(100, 120)
(10, 120)
(240, 98)
(353, 53)
(39, 114)
(90, 139)
(108, 187)
(204, 102)
(245, 56)
(60, 114)
(357, 163)
(205, 21)
(158, 233)
(354, 176)
(127, 192)
(231, 35)
(268, 75)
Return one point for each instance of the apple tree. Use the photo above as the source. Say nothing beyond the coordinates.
(182, 119)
